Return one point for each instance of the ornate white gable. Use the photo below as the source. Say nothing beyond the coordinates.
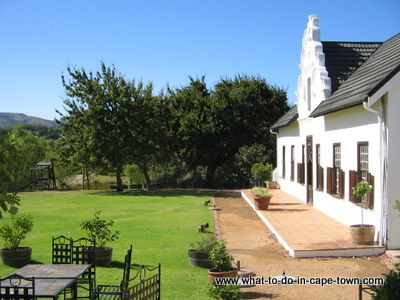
(313, 85)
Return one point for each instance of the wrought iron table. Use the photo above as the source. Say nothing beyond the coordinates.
(52, 280)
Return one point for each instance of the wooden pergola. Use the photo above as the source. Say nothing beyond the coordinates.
(43, 177)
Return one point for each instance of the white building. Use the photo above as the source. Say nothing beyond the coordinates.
(345, 128)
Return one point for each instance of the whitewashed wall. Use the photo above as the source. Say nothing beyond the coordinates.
(347, 127)
(393, 123)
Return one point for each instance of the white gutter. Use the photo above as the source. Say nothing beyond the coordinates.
(383, 236)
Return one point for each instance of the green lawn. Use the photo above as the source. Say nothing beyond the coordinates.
(160, 225)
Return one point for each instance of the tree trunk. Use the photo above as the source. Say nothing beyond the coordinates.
(83, 178)
(118, 174)
(143, 167)
(211, 169)
(87, 179)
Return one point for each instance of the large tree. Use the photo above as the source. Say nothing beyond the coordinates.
(95, 125)
(210, 126)
(147, 144)
(110, 121)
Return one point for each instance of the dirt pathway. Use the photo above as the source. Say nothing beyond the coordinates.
(251, 242)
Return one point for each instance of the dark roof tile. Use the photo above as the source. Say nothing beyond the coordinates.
(343, 58)
(383, 64)
(287, 118)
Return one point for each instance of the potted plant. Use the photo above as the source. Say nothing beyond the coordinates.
(362, 234)
(224, 292)
(13, 234)
(262, 198)
(99, 230)
(221, 262)
(199, 252)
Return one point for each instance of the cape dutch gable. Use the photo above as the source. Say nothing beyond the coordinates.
(343, 129)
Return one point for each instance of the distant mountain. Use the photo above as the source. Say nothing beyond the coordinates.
(7, 119)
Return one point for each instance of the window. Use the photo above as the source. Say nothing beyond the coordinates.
(362, 174)
(292, 163)
(283, 162)
(320, 170)
(335, 175)
(363, 160)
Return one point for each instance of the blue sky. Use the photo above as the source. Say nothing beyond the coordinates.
(165, 41)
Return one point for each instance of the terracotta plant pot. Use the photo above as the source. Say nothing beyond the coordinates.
(212, 274)
(272, 184)
(362, 234)
(262, 203)
(199, 259)
(16, 258)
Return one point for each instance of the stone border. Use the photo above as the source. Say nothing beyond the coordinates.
(217, 229)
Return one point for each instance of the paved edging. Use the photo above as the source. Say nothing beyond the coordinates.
(307, 253)
(270, 227)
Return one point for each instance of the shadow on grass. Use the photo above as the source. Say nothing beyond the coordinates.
(258, 295)
(163, 193)
(117, 264)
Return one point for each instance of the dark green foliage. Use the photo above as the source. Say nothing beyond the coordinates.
(224, 292)
(100, 230)
(262, 172)
(111, 122)
(21, 150)
(390, 290)
(16, 230)
(210, 126)
(190, 136)
(206, 244)
(220, 257)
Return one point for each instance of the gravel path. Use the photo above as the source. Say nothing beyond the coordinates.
(257, 249)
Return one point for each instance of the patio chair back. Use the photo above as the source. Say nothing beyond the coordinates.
(144, 286)
(127, 264)
(84, 252)
(17, 287)
(61, 250)
(108, 291)
(127, 269)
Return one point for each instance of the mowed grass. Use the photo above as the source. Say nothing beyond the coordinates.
(159, 225)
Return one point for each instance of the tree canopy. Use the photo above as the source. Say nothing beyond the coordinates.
(111, 122)
(210, 126)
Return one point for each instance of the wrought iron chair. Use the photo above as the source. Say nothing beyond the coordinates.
(110, 292)
(83, 251)
(142, 286)
(61, 250)
(365, 289)
(17, 287)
